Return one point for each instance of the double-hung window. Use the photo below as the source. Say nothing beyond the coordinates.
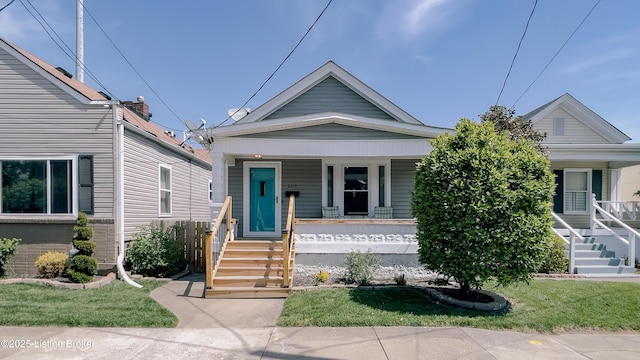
(37, 186)
(577, 190)
(164, 190)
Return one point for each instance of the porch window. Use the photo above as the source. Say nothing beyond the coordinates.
(40, 186)
(356, 186)
(577, 187)
(356, 191)
(165, 190)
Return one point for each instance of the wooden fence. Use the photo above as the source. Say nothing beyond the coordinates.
(190, 235)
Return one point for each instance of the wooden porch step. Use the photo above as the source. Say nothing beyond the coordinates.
(248, 281)
(250, 271)
(251, 253)
(255, 244)
(250, 261)
(221, 292)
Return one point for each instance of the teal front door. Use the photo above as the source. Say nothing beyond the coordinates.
(262, 199)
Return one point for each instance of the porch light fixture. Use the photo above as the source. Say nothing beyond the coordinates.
(257, 156)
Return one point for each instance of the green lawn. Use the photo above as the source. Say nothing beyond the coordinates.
(114, 305)
(542, 306)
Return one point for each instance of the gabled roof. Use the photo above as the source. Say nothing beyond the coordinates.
(260, 120)
(581, 113)
(87, 95)
(329, 69)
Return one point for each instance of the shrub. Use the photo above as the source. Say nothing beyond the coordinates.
(78, 277)
(155, 252)
(320, 277)
(84, 264)
(51, 264)
(555, 261)
(361, 267)
(82, 267)
(8, 247)
(85, 247)
(482, 205)
(400, 280)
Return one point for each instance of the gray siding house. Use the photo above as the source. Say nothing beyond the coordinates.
(339, 146)
(66, 148)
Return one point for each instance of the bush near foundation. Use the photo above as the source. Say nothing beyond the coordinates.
(8, 247)
(51, 264)
(82, 266)
(154, 251)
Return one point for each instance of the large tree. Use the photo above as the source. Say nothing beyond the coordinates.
(515, 127)
(482, 204)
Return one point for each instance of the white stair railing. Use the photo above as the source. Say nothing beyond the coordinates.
(573, 235)
(622, 209)
(631, 233)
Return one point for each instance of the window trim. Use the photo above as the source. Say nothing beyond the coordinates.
(589, 190)
(210, 191)
(373, 186)
(161, 190)
(74, 186)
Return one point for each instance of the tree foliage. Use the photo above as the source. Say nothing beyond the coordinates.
(482, 204)
(515, 128)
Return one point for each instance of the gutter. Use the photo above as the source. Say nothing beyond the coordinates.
(119, 172)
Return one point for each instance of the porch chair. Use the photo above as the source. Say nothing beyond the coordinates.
(331, 212)
(383, 212)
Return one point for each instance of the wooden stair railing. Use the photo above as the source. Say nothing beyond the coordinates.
(288, 244)
(210, 269)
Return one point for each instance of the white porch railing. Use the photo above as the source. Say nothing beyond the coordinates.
(605, 215)
(623, 210)
(573, 235)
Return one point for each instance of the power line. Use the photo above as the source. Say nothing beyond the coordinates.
(279, 66)
(557, 52)
(504, 83)
(6, 6)
(71, 56)
(133, 67)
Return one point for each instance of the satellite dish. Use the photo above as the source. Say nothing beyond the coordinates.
(191, 125)
(237, 113)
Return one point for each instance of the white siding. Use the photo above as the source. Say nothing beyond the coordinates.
(190, 184)
(575, 132)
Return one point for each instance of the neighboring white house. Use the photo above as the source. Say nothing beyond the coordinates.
(66, 148)
(587, 155)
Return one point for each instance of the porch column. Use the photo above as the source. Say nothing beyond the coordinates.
(614, 185)
(218, 176)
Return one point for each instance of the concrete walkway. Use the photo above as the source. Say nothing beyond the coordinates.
(245, 329)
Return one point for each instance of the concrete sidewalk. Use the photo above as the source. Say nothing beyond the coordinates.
(371, 343)
(246, 329)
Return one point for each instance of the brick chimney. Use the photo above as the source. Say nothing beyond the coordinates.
(139, 107)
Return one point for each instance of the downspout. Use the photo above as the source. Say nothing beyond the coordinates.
(119, 168)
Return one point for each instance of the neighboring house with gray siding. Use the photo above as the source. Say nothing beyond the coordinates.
(66, 148)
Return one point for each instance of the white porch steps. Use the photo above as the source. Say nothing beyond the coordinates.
(250, 269)
(592, 259)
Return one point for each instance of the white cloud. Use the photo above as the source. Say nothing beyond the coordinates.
(13, 27)
(425, 60)
(421, 14)
(587, 64)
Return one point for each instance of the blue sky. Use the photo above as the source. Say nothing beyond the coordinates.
(439, 60)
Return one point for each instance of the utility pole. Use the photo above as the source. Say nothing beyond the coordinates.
(80, 40)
